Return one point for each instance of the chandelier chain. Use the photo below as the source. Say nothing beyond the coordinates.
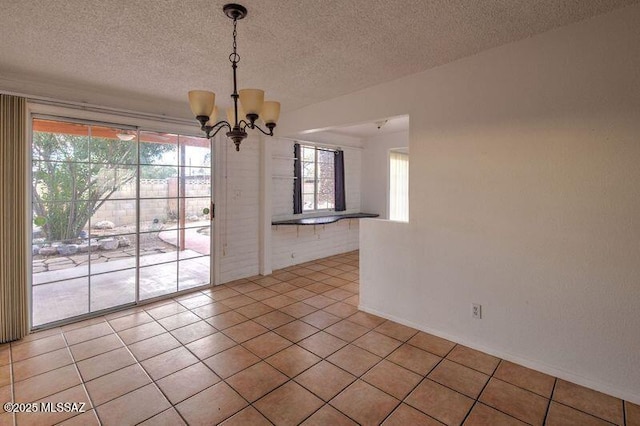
(234, 58)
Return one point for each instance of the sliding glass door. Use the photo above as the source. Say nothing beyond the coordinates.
(175, 226)
(119, 216)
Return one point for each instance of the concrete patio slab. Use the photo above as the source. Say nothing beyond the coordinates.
(67, 293)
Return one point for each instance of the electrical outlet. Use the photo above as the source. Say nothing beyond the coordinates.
(476, 311)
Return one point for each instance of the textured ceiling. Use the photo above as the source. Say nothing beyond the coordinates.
(299, 51)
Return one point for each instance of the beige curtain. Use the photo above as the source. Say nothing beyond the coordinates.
(399, 186)
(14, 308)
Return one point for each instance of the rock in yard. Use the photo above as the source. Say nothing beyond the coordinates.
(104, 224)
(109, 244)
(67, 249)
(84, 247)
(48, 251)
(124, 242)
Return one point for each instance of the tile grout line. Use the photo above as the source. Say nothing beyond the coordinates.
(553, 389)
(140, 387)
(337, 366)
(477, 399)
(509, 383)
(237, 344)
(172, 405)
(425, 377)
(589, 414)
(152, 336)
(520, 388)
(504, 381)
(259, 398)
(401, 401)
(43, 353)
(475, 404)
(82, 382)
(82, 379)
(360, 377)
(289, 379)
(44, 372)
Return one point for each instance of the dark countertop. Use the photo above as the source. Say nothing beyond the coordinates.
(323, 220)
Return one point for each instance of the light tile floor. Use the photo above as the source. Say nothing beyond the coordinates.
(285, 349)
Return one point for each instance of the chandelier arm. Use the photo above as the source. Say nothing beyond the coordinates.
(222, 123)
(208, 129)
(218, 126)
(269, 133)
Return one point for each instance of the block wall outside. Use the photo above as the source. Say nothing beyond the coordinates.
(120, 208)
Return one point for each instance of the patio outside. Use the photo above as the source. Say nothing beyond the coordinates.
(61, 286)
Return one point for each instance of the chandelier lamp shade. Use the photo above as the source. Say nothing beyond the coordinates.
(248, 107)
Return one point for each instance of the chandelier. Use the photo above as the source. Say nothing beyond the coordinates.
(240, 116)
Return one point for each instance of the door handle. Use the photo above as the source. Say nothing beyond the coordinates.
(210, 211)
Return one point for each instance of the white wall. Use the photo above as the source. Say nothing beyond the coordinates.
(237, 186)
(298, 244)
(524, 197)
(375, 171)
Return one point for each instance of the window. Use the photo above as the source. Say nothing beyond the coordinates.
(318, 178)
(319, 182)
(399, 186)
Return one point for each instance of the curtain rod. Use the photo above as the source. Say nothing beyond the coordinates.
(42, 100)
(321, 145)
(85, 121)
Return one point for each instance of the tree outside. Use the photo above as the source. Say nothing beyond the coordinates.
(318, 178)
(74, 175)
(326, 180)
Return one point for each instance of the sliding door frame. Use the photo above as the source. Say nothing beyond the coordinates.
(139, 123)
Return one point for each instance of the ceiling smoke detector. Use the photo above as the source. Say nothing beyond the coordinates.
(380, 123)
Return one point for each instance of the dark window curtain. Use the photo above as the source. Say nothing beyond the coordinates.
(341, 203)
(297, 182)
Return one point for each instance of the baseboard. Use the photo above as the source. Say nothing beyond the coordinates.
(527, 362)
